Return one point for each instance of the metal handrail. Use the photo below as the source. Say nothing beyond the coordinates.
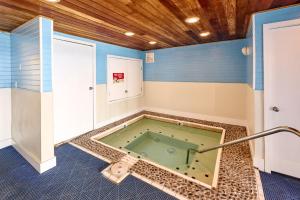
(247, 138)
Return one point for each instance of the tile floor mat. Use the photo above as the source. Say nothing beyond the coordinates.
(76, 176)
(280, 187)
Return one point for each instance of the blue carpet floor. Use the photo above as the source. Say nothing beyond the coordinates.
(75, 177)
(280, 187)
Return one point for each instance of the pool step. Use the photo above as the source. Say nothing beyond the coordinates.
(117, 172)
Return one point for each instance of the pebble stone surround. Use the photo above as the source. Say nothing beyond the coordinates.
(237, 178)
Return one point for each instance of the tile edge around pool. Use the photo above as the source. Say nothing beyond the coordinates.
(221, 131)
(236, 176)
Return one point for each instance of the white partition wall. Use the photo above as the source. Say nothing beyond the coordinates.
(5, 91)
(31, 97)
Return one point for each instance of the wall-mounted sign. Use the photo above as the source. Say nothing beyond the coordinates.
(118, 77)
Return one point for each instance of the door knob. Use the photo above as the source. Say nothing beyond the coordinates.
(91, 88)
(126, 91)
(275, 109)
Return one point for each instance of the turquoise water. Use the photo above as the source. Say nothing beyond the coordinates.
(158, 147)
(167, 143)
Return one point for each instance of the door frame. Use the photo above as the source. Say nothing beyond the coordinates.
(93, 45)
(267, 29)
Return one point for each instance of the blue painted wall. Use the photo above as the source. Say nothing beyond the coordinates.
(102, 50)
(25, 51)
(5, 60)
(219, 62)
(46, 31)
(264, 18)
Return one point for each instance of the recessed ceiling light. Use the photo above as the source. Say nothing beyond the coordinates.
(205, 34)
(54, 1)
(129, 33)
(152, 42)
(192, 20)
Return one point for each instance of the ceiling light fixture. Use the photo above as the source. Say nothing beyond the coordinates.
(152, 42)
(53, 1)
(192, 20)
(128, 33)
(205, 34)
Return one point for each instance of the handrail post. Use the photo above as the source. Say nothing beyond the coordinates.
(187, 156)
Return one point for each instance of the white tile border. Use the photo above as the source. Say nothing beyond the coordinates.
(260, 194)
(113, 178)
(218, 162)
(96, 138)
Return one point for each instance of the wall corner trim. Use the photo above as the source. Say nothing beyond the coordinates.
(38, 166)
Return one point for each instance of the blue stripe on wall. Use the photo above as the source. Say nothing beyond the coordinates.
(264, 18)
(5, 60)
(102, 50)
(220, 62)
(25, 52)
(47, 29)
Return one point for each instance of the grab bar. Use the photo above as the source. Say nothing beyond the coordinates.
(247, 138)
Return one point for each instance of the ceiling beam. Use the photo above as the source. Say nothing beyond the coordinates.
(242, 7)
(279, 3)
(230, 12)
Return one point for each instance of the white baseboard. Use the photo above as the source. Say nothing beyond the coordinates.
(5, 143)
(45, 166)
(259, 163)
(38, 166)
(114, 119)
(198, 116)
(177, 113)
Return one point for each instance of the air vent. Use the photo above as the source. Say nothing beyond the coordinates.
(150, 57)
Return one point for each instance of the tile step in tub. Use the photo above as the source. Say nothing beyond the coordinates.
(118, 171)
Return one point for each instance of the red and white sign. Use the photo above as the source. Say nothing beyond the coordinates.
(118, 77)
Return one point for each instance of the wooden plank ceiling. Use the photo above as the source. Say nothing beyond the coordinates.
(162, 21)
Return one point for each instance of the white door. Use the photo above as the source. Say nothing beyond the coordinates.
(282, 95)
(134, 77)
(73, 82)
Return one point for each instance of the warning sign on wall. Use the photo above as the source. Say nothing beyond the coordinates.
(118, 77)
